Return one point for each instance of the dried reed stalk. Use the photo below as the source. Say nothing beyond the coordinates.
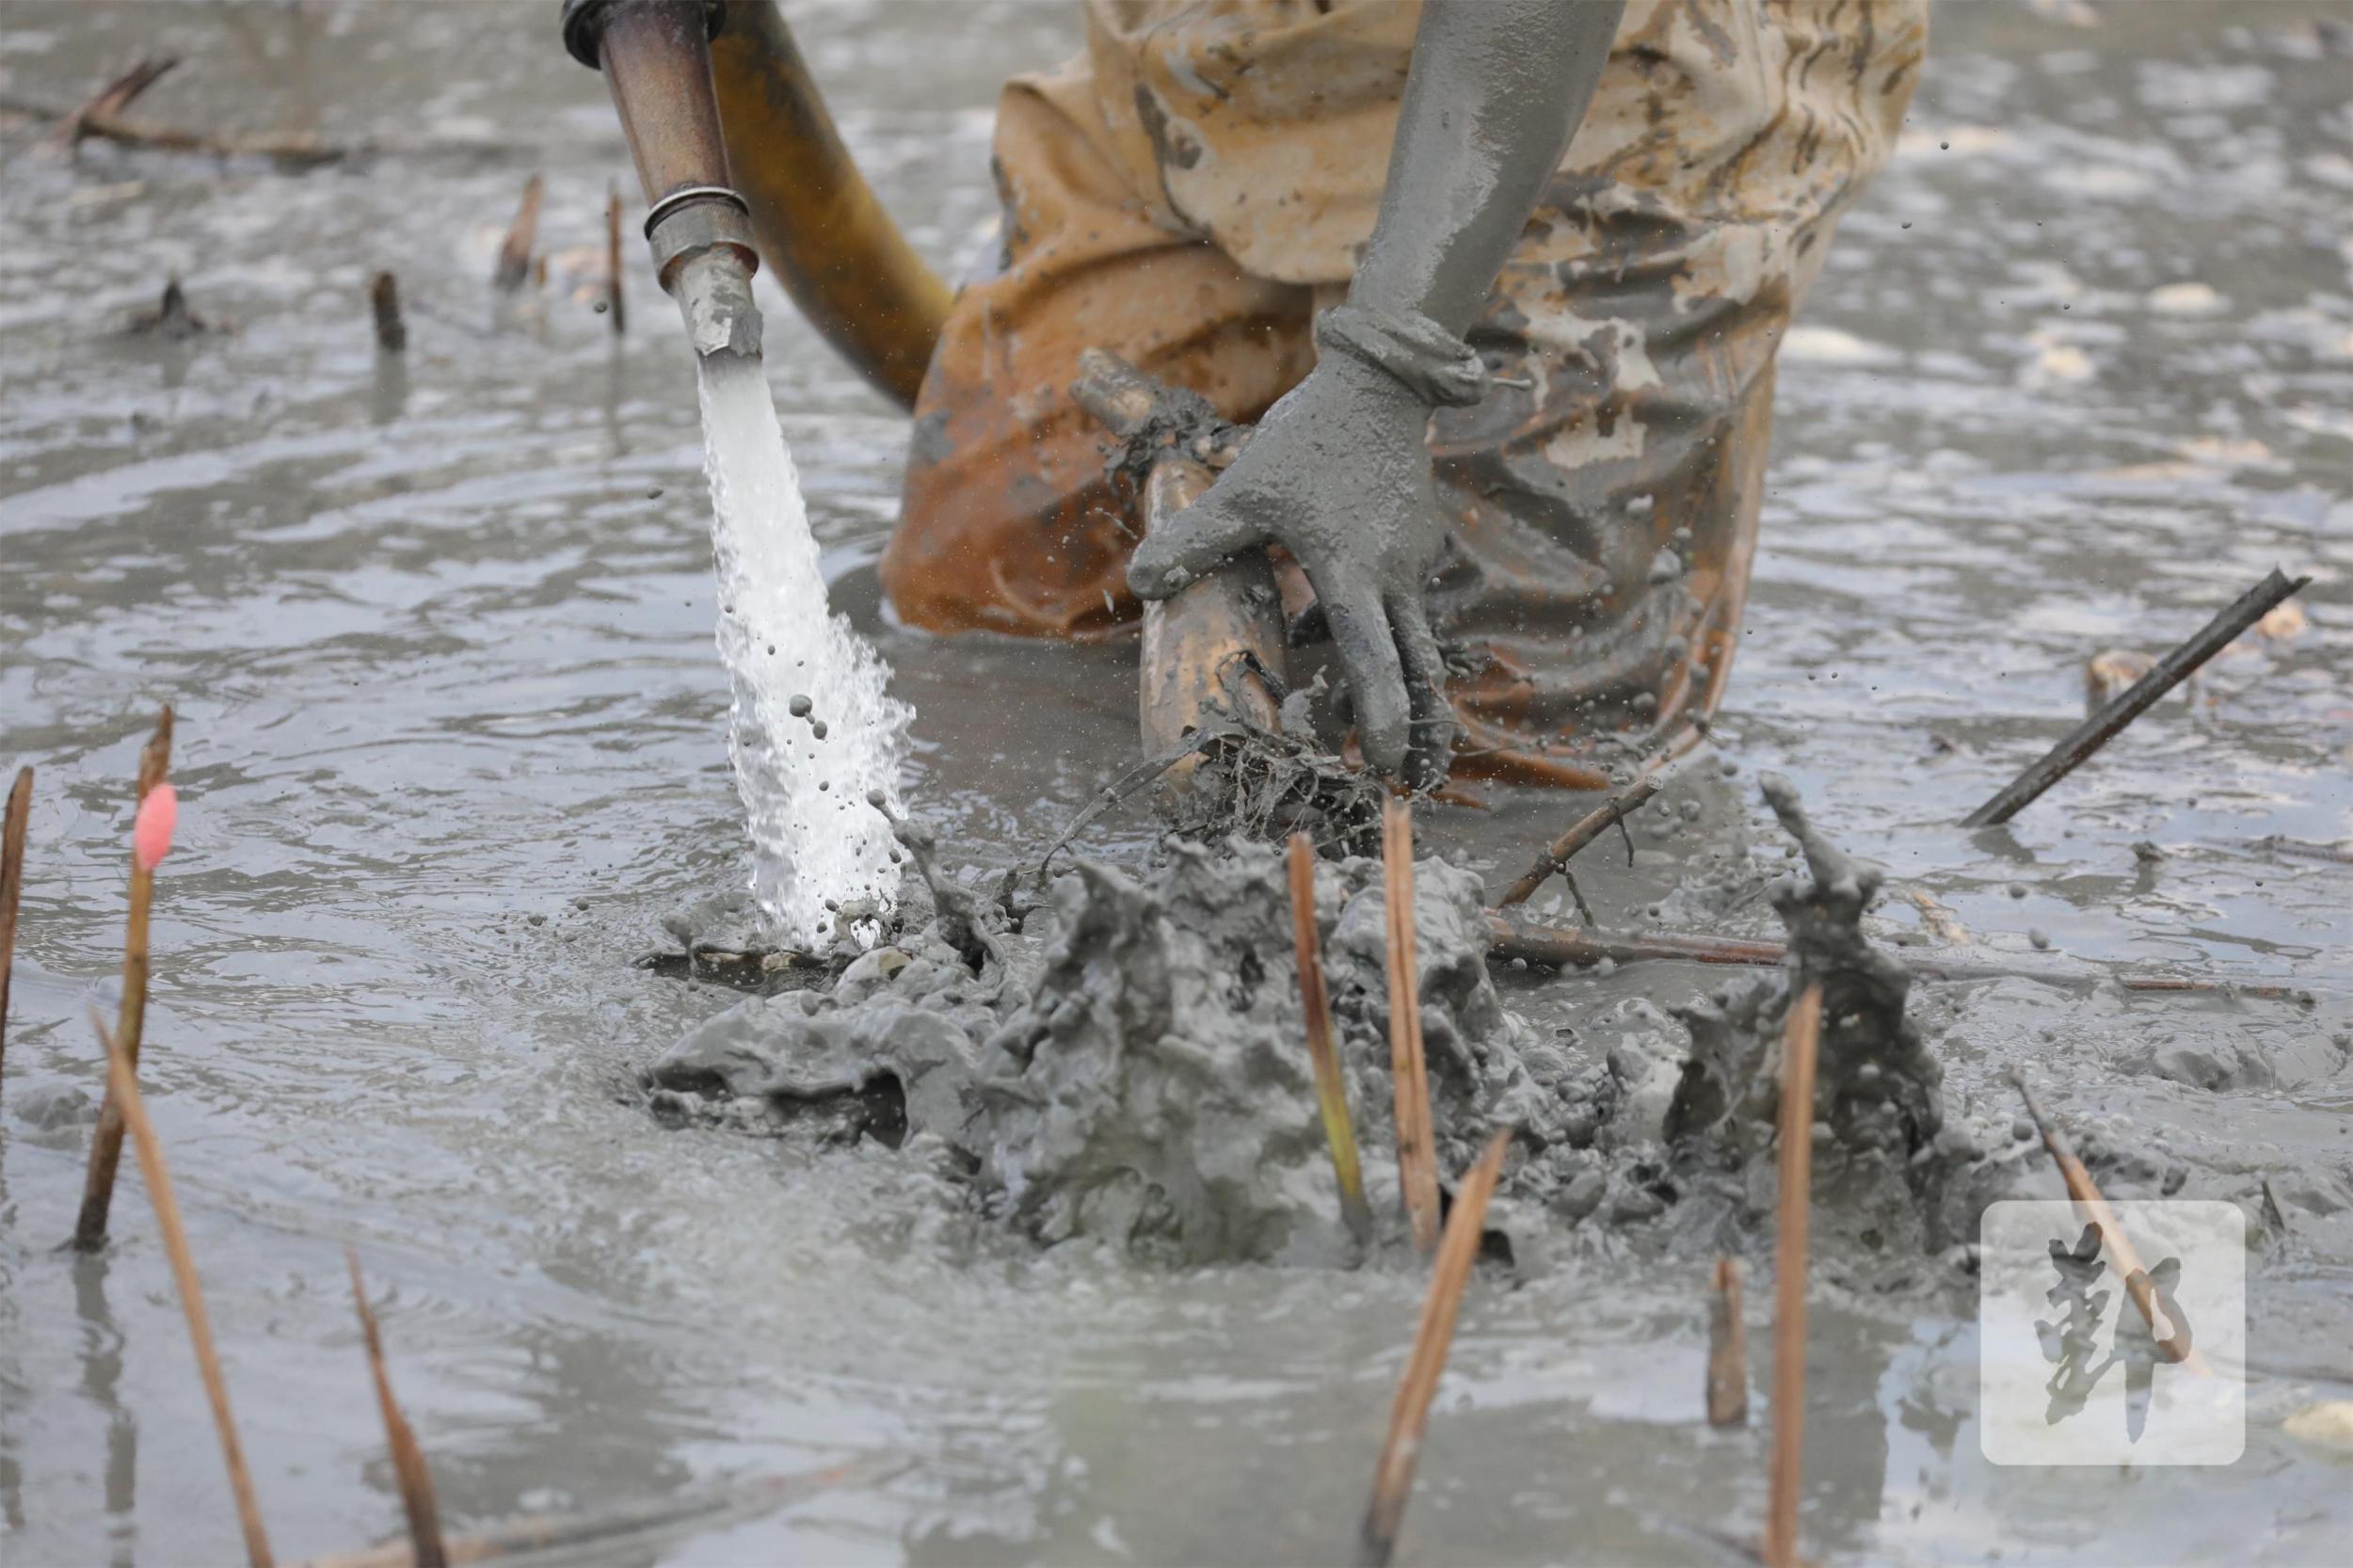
(1514, 937)
(12, 888)
(513, 263)
(293, 150)
(1727, 1348)
(612, 301)
(105, 1149)
(123, 1091)
(108, 101)
(1339, 1129)
(2296, 848)
(2095, 1211)
(1416, 1142)
(391, 333)
(1393, 1478)
(2080, 743)
(1796, 1178)
(639, 1524)
(416, 1482)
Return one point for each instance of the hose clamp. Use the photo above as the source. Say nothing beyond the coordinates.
(695, 218)
(687, 196)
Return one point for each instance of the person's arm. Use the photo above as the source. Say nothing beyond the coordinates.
(1339, 474)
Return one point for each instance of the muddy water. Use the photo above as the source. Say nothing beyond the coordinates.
(452, 741)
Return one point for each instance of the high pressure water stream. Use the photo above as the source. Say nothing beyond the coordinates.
(811, 728)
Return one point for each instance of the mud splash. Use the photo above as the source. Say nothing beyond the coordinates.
(1124, 1060)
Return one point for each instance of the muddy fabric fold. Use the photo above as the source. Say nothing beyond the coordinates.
(1195, 186)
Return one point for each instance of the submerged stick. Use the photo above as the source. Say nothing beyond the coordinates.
(391, 333)
(2298, 849)
(106, 103)
(122, 1090)
(12, 888)
(105, 1149)
(514, 263)
(290, 149)
(1796, 1176)
(1340, 1131)
(1416, 1148)
(1557, 853)
(612, 302)
(1727, 1348)
(538, 1535)
(425, 1545)
(2095, 1211)
(1393, 1478)
(2129, 704)
(1510, 937)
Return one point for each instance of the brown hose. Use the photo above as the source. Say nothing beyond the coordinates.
(820, 228)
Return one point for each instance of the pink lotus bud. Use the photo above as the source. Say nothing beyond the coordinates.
(151, 835)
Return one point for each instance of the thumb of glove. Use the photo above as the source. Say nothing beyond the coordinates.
(1194, 542)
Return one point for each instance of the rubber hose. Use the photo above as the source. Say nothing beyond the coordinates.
(819, 226)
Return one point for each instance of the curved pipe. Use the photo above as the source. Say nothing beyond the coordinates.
(818, 224)
(655, 58)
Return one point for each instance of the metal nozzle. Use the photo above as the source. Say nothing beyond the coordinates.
(702, 252)
(656, 60)
(713, 292)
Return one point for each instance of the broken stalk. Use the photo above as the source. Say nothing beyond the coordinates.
(513, 263)
(2095, 1211)
(1416, 1151)
(123, 1092)
(1798, 1041)
(1340, 1131)
(614, 305)
(2129, 704)
(1727, 1348)
(105, 1149)
(12, 888)
(427, 1548)
(1393, 1478)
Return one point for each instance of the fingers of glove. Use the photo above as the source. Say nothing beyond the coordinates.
(1183, 548)
(1367, 651)
(1429, 746)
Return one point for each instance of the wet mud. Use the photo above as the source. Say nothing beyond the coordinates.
(1124, 1059)
(438, 626)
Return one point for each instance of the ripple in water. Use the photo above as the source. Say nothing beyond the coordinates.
(803, 778)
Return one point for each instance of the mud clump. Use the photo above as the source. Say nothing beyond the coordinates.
(1127, 1061)
(1892, 1173)
(1879, 1087)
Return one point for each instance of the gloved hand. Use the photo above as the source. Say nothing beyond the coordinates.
(1338, 475)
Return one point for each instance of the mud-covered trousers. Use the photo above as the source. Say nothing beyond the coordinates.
(1192, 189)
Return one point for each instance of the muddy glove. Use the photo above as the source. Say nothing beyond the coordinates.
(1339, 474)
